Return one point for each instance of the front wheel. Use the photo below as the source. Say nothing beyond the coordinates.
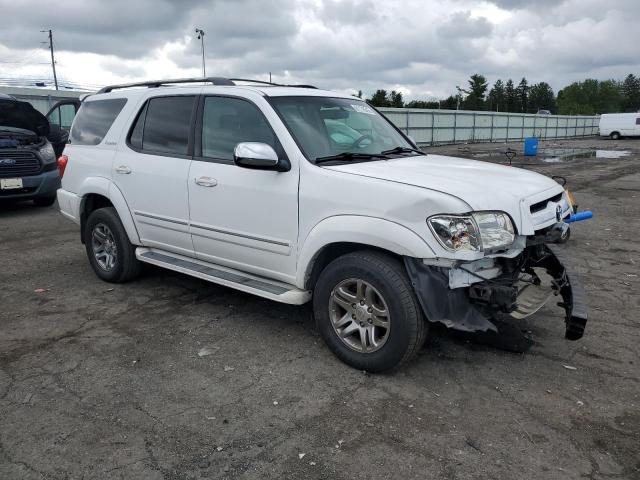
(367, 312)
(110, 253)
(615, 136)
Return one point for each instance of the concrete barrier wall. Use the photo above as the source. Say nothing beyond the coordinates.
(434, 127)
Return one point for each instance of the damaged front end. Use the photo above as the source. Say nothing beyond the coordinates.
(477, 296)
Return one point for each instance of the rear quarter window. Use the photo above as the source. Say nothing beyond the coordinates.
(94, 119)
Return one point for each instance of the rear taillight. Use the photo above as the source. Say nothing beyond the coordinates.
(62, 164)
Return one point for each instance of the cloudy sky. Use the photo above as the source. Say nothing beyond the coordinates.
(423, 48)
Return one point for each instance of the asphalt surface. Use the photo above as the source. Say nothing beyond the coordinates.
(172, 377)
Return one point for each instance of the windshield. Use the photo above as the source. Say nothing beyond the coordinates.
(325, 127)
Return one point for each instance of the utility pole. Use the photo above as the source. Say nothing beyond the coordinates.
(53, 62)
(200, 33)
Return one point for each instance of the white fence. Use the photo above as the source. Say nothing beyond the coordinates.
(433, 127)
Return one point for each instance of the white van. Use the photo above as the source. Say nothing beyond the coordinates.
(618, 125)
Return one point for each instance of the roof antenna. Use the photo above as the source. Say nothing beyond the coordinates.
(200, 33)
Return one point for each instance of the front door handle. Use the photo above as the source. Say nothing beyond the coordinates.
(123, 169)
(206, 181)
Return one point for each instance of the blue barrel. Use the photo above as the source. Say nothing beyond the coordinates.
(531, 146)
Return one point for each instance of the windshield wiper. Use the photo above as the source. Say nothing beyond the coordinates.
(402, 150)
(345, 156)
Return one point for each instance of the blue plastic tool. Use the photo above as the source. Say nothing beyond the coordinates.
(577, 217)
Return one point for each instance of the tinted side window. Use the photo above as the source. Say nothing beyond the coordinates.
(94, 120)
(637, 121)
(167, 125)
(229, 121)
(135, 137)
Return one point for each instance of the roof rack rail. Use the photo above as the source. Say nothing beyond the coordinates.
(213, 80)
(159, 83)
(262, 82)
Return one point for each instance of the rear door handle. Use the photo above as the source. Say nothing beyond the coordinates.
(206, 181)
(123, 169)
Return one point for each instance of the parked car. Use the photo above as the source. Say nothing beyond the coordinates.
(28, 152)
(256, 187)
(618, 125)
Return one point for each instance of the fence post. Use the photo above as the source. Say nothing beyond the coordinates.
(455, 125)
(433, 128)
(491, 134)
(508, 122)
(407, 128)
(522, 131)
(473, 129)
(546, 125)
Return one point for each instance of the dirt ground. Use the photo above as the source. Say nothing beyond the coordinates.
(172, 377)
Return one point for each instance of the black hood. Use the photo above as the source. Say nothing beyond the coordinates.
(17, 114)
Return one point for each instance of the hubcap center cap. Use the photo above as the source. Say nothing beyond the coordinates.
(361, 313)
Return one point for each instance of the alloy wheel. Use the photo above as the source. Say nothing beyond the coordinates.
(104, 247)
(359, 315)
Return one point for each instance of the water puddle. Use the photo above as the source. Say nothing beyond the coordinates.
(558, 155)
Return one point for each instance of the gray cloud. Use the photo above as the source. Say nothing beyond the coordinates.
(425, 46)
(460, 25)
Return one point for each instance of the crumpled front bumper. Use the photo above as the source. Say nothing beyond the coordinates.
(483, 305)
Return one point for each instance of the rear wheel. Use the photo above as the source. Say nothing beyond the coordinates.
(367, 312)
(615, 136)
(110, 253)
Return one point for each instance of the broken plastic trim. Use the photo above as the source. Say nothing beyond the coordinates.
(494, 299)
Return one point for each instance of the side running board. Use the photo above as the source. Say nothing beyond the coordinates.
(262, 287)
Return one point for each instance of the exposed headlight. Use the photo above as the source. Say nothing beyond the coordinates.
(47, 154)
(479, 231)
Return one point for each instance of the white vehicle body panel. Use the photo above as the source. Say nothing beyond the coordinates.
(249, 219)
(626, 124)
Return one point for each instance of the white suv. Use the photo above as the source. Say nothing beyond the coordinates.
(297, 194)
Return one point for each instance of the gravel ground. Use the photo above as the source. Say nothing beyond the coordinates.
(171, 377)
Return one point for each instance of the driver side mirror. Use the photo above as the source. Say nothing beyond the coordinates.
(258, 156)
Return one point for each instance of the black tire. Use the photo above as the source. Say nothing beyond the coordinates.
(44, 201)
(126, 266)
(387, 275)
(615, 136)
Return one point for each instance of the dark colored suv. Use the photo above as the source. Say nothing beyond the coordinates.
(29, 147)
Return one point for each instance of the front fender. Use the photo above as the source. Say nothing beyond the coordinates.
(372, 231)
(105, 187)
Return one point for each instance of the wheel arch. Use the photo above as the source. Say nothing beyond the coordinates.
(335, 236)
(98, 192)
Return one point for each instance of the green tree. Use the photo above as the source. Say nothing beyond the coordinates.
(590, 97)
(422, 104)
(380, 99)
(450, 103)
(475, 95)
(631, 93)
(541, 97)
(396, 99)
(523, 95)
(496, 99)
(511, 97)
